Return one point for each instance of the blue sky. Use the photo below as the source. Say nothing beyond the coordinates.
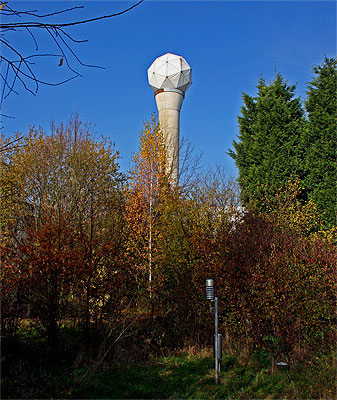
(229, 45)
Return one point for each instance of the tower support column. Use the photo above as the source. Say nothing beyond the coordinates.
(169, 77)
(169, 104)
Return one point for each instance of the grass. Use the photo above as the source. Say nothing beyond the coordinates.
(184, 375)
(166, 377)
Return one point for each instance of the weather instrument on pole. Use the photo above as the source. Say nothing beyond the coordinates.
(217, 335)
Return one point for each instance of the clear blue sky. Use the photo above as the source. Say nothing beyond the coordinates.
(229, 45)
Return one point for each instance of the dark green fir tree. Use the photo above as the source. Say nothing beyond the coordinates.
(320, 140)
(269, 149)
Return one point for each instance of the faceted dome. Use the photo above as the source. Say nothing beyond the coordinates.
(170, 72)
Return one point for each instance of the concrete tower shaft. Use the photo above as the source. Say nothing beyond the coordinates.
(169, 77)
(169, 104)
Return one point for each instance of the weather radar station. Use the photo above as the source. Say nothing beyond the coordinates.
(169, 77)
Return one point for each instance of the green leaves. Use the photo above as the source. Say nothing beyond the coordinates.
(270, 128)
(320, 140)
(277, 142)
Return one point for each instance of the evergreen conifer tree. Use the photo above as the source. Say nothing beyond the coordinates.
(320, 140)
(268, 151)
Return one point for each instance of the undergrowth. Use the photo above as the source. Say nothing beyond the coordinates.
(30, 372)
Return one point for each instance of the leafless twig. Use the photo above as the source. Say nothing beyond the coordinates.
(18, 69)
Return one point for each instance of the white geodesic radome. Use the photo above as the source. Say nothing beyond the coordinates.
(170, 72)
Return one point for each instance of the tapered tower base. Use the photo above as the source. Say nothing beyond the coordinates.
(169, 104)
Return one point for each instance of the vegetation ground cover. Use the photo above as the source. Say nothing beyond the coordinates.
(32, 372)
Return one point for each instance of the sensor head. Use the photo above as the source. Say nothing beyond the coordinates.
(209, 289)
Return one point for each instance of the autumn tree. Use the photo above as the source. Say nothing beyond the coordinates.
(147, 185)
(63, 222)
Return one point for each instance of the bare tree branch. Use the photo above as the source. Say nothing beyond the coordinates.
(10, 11)
(18, 69)
(43, 25)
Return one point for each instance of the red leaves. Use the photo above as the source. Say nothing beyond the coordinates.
(274, 274)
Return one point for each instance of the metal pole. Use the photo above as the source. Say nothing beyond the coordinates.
(216, 341)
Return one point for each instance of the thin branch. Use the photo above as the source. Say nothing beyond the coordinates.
(11, 88)
(22, 60)
(7, 116)
(4, 86)
(19, 67)
(46, 25)
(50, 31)
(6, 146)
(32, 35)
(72, 39)
(76, 57)
(43, 55)
(37, 80)
(32, 12)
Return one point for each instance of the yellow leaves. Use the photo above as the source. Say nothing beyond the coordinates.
(329, 235)
(148, 181)
(147, 190)
(2, 6)
(302, 217)
(288, 210)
